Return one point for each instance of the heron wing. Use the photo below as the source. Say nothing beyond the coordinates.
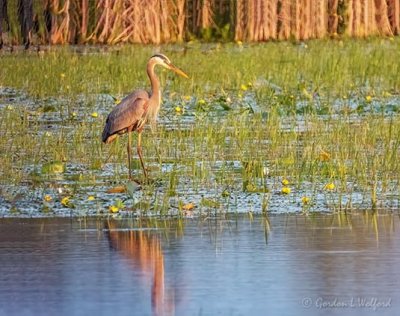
(126, 114)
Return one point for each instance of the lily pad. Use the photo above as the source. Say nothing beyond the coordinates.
(210, 203)
(54, 167)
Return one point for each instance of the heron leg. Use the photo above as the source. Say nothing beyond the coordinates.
(139, 151)
(129, 155)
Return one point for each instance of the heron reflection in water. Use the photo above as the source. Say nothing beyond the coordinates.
(144, 252)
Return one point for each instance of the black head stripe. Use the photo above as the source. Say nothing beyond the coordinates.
(163, 57)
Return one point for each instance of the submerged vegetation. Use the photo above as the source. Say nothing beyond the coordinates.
(258, 128)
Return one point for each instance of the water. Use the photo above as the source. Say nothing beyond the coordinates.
(331, 264)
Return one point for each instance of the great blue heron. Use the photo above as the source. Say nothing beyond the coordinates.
(137, 108)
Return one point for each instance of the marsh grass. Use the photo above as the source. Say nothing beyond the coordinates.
(318, 113)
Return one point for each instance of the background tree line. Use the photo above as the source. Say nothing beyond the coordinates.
(159, 21)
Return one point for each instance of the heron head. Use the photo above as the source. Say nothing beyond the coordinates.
(164, 61)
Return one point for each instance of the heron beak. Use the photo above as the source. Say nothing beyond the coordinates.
(178, 71)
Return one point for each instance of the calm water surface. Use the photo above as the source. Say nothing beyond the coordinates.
(286, 265)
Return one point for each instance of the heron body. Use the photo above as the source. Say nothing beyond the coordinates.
(138, 108)
(130, 114)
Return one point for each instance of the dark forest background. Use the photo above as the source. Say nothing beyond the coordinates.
(166, 21)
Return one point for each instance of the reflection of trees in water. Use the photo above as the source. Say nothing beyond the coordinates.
(143, 249)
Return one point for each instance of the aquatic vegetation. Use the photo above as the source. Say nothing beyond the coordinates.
(329, 186)
(66, 202)
(188, 206)
(286, 190)
(324, 156)
(113, 209)
(53, 167)
(303, 125)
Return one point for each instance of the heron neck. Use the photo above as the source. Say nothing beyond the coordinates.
(155, 82)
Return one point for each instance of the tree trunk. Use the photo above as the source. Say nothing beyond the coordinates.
(284, 18)
(181, 19)
(85, 19)
(3, 17)
(25, 17)
(333, 19)
(394, 15)
(382, 18)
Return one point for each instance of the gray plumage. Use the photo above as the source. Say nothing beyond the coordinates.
(128, 114)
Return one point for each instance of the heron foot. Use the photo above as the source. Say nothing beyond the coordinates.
(137, 181)
(142, 181)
